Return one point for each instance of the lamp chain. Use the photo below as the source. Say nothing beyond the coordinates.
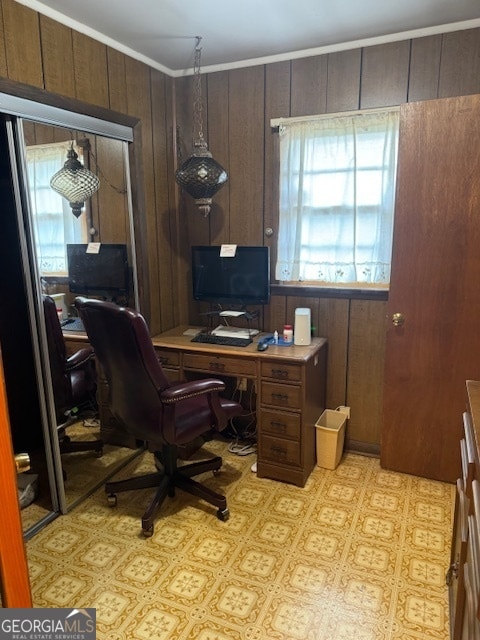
(120, 190)
(198, 139)
(200, 175)
(84, 144)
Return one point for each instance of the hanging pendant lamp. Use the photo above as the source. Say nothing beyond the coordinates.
(200, 175)
(75, 182)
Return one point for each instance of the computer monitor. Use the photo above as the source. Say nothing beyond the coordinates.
(102, 273)
(242, 279)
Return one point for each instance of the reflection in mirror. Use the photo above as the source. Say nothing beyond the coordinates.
(88, 441)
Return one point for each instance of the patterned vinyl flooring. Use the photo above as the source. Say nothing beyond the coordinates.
(358, 553)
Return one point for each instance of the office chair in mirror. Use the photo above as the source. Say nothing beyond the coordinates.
(74, 385)
(162, 414)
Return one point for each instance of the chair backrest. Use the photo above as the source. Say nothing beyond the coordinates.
(124, 349)
(57, 355)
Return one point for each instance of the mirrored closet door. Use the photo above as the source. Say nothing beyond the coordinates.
(72, 450)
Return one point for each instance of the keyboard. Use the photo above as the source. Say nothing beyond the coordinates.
(72, 324)
(209, 338)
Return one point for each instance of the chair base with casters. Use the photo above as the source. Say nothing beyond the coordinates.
(166, 415)
(167, 481)
(67, 445)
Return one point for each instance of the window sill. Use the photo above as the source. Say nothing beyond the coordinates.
(311, 291)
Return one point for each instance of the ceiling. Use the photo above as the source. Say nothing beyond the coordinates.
(241, 33)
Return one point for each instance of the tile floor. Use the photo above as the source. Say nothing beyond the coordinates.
(84, 472)
(358, 554)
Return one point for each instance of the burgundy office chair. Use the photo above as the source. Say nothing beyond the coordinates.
(74, 383)
(152, 409)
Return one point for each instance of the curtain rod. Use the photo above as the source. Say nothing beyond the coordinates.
(276, 122)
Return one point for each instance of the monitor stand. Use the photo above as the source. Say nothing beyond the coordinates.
(234, 332)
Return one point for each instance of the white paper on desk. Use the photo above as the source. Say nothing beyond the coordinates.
(228, 250)
(93, 247)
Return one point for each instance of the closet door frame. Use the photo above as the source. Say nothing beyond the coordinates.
(14, 581)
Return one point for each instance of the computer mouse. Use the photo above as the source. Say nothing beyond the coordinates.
(262, 346)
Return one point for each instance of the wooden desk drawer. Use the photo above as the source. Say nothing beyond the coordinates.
(219, 364)
(172, 375)
(281, 395)
(279, 451)
(467, 450)
(168, 358)
(468, 467)
(280, 371)
(280, 424)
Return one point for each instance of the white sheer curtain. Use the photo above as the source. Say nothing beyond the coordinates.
(337, 190)
(53, 220)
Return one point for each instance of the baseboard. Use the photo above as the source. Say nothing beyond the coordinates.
(364, 448)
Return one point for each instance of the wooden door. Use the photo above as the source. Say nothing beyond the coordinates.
(435, 284)
(14, 580)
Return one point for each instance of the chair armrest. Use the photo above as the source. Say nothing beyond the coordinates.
(208, 388)
(185, 390)
(79, 358)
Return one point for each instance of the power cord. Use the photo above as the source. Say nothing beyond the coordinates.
(244, 439)
(242, 449)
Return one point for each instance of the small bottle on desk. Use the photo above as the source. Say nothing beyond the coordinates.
(288, 333)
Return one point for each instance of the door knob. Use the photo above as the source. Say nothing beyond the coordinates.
(22, 462)
(398, 319)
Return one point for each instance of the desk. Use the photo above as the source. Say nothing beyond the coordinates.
(463, 576)
(290, 388)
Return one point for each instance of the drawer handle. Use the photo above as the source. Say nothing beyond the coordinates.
(280, 397)
(279, 373)
(216, 366)
(278, 451)
(280, 426)
(163, 359)
(452, 574)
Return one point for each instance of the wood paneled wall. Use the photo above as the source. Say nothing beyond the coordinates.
(40, 52)
(239, 104)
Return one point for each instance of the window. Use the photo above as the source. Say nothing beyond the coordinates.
(337, 192)
(54, 223)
